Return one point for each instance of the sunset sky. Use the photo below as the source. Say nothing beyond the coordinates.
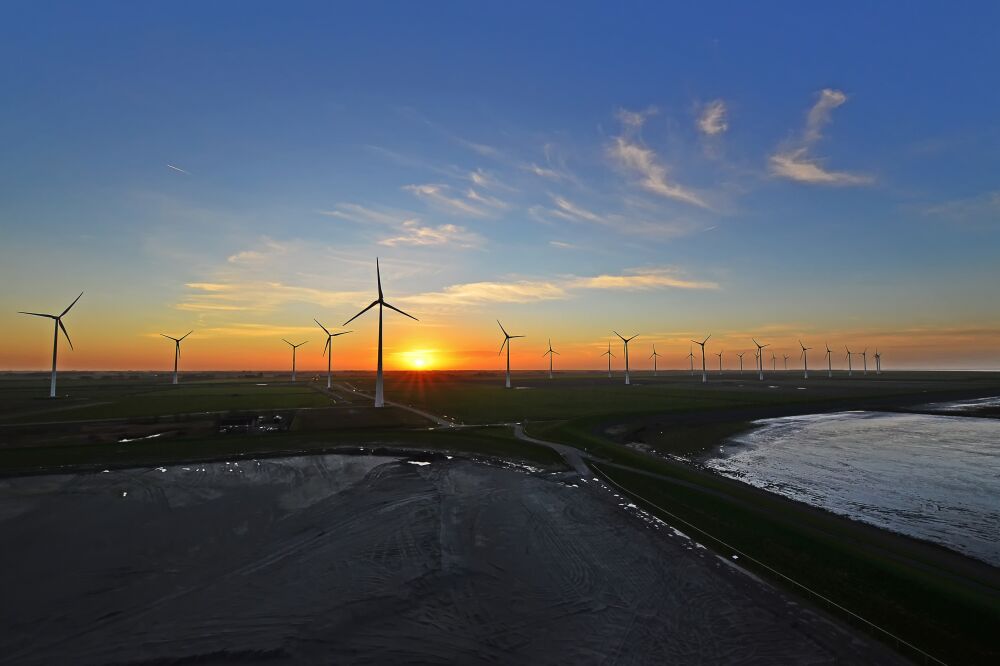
(756, 169)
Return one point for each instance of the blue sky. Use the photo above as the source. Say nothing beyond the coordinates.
(236, 167)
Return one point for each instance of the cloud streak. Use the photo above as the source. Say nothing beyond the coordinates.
(794, 160)
(416, 234)
(712, 120)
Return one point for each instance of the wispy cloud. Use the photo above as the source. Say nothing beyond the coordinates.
(416, 234)
(177, 168)
(437, 194)
(259, 296)
(633, 222)
(630, 154)
(794, 159)
(635, 119)
(985, 205)
(527, 291)
(562, 245)
(712, 120)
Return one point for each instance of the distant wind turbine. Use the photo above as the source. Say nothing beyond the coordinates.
(741, 362)
(760, 358)
(506, 343)
(719, 354)
(864, 359)
(691, 358)
(55, 338)
(380, 302)
(786, 361)
(625, 341)
(805, 360)
(610, 356)
(829, 361)
(774, 362)
(654, 356)
(550, 353)
(878, 362)
(850, 372)
(704, 370)
(177, 350)
(294, 347)
(328, 350)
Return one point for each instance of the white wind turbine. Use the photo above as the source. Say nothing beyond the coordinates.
(878, 362)
(829, 361)
(506, 343)
(328, 350)
(380, 302)
(654, 356)
(805, 360)
(704, 371)
(864, 359)
(741, 362)
(786, 361)
(294, 347)
(550, 353)
(760, 358)
(55, 338)
(774, 362)
(691, 359)
(610, 356)
(850, 372)
(719, 354)
(626, 341)
(177, 350)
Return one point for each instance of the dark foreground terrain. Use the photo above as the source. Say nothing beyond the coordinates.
(369, 559)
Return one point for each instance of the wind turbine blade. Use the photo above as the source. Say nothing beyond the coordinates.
(392, 307)
(556, 353)
(706, 339)
(185, 335)
(71, 305)
(333, 335)
(321, 326)
(177, 346)
(502, 345)
(302, 343)
(378, 276)
(620, 336)
(374, 303)
(516, 336)
(502, 328)
(38, 314)
(65, 333)
(327, 345)
(169, 337)
(632, 338)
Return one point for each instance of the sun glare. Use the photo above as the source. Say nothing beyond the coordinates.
(417, 359)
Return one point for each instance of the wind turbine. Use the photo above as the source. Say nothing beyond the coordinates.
(741, 362)
(294, 347)
(829, 361)
(774, 362)
(55, 338)
(328, 349)
(549, 353)
(849, 352)
(805, 360)
(610, 356)
(380, 302)
(878, 362)
(506, 343)
(691, 358)
(626, 341)
(704, 372)
(760, 357)
(864, 359)
(177, 350)
(786, 361)
(654, 356)
(720, 362)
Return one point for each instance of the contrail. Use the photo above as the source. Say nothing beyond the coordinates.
(171, 166)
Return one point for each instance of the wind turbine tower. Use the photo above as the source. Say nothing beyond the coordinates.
(829, 361)
(506, 343)
(610, 356)
(786, 361)
(380, 302)
(878, 362)
(760, 358)
(691, 358)
(625, 341)
(294, 348)
(177, 350)
(850, 372)
(864, 359)
(704, 371)
(57, 324)
(720, 362)
(328, 350)
(805, 360)
(654, 356)
(741, 362)
(549, 353)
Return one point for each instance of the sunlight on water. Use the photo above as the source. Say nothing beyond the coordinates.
(931, 477)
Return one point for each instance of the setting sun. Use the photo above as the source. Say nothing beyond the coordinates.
(417, 359)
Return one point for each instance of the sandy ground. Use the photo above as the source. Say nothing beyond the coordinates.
(362, 559)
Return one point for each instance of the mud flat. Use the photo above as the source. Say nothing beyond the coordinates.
(367, 559)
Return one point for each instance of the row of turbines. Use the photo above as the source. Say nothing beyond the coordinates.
(550, 352)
